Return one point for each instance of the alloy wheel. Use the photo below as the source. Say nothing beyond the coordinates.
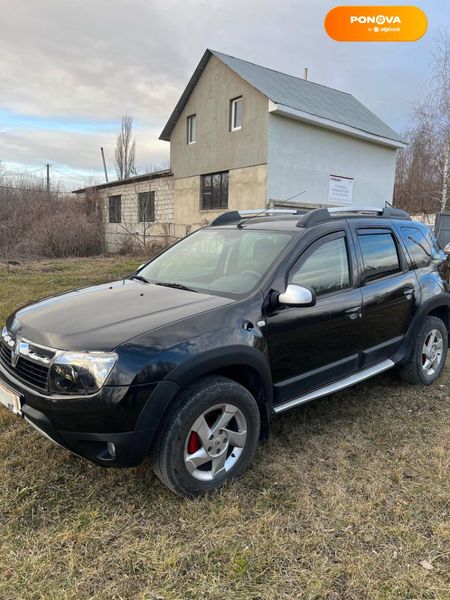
(215, 442)
(432, 351)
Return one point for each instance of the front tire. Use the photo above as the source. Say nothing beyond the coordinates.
(428, 355)
(208, 438)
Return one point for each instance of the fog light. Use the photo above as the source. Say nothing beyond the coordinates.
(111, 449)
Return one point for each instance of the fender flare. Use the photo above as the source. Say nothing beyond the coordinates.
(404, 352)
(198, 366)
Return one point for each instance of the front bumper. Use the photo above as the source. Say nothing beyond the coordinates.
(124, 449)
(106, 428)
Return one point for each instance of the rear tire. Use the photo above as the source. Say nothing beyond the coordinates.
(208, 438)
(428, 355)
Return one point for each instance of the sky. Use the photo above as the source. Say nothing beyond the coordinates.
(70, 68)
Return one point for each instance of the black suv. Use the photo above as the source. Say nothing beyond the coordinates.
(189, 358)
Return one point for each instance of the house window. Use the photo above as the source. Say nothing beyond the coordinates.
(214, 191)
(115, 209)
(192, 129)
(236, 114)
(146, 207)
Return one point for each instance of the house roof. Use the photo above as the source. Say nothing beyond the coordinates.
(130, 180)
(311, 101)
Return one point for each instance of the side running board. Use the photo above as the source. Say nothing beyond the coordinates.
(337, 385)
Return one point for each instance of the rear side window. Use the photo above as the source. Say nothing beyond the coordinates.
(436, 250)
(418, 246)
(325, 270)
(379, 253)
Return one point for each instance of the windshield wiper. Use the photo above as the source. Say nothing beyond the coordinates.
(177, 286)
(140, 278)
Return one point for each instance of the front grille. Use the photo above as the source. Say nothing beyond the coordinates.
(5, 354)
(33, 373)
(30, 371)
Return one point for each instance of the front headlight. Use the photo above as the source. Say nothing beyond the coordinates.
(81, 372)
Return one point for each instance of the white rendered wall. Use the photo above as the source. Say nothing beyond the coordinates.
(303, 156)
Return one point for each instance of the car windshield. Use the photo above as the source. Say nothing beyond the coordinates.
(218, 261)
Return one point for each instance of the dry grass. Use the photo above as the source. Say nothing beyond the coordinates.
(346, 501)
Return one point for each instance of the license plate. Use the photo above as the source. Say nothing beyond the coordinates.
(10, 399)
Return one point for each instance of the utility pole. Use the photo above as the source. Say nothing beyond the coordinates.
(104, 164)
(48, 181)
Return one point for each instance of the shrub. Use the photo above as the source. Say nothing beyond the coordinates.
(35, 225)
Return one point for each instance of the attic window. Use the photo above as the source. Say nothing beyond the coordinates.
(236, 114)
(192, 129)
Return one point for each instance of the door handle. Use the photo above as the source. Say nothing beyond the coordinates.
(408, 293)
(354, 313)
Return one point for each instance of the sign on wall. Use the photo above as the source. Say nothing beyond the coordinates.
(340, 190)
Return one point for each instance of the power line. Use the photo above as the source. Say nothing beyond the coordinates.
(9, 171)
(21, 189)
(26, 171)
(12, 175)
(80, 178)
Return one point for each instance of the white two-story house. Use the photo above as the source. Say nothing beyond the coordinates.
(243, 136)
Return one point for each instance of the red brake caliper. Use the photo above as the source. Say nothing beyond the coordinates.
(424, 358)
(194, 443)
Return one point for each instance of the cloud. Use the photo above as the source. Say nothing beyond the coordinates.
(78, 152)
(69, 70)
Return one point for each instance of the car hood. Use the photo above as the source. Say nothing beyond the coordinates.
(102, 317)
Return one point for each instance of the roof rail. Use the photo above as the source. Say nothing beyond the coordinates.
(386, 212)
(354, 209)
(313, 217)
(319, 215)
(235, 216)
(310, 217)
(227, 218)
(396, 213)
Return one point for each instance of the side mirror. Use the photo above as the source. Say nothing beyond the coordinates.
(297, 295)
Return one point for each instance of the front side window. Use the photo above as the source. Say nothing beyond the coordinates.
(115, 209)
(325, 270)
(236, 114)
(225, 262)
(146, 207)
(380, 256)
(192, 129)
(214, 192)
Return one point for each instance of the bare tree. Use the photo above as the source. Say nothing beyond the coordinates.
(417, 178)
(434, 112)
(125, 150)
(423, 169)
(154, 167)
